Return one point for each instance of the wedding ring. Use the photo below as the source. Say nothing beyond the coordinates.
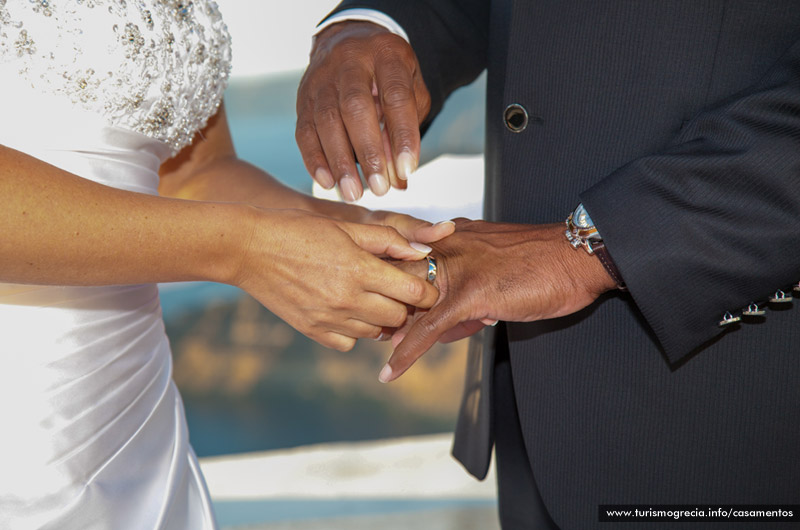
(431, 268)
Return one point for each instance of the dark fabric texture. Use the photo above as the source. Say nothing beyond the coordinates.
(519, 503)
(677, 123)
(476, 414)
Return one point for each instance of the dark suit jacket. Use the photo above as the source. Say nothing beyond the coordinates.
(677, 124)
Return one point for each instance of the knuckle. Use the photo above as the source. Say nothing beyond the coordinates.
(303, 90)
(396, 93)
(371, 159)
(429, 325)
(389, 233)
(423, 103)
(345, 344)
(359, 266)
(389, 46)
(356, 103)
(417, 289)
(340, 163)
(398, 318)
(339, 304)
(305, 133)
(327, 114)
(402, 136)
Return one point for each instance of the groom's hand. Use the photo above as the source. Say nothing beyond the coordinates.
(361, 76)
(498, 271)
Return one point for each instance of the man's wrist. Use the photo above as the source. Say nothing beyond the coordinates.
(581, 232)
(364, 15)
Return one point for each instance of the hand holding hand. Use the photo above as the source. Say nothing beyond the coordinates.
(498, 271)
(322, 275)
(361, 76)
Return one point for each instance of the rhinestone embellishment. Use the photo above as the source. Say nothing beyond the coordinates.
(156, 67)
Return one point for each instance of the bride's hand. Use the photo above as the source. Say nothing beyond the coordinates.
(322, 275)
(410, 227)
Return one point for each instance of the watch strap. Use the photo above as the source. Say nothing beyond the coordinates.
(588, 237)
(601, 252)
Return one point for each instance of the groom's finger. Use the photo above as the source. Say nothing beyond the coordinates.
(423, 334)
(335, 142)
(313, 157)
(396, 91)
(363, 127)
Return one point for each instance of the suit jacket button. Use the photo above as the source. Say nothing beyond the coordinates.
(515, 118)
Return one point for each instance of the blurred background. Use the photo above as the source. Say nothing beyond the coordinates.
(291, 434)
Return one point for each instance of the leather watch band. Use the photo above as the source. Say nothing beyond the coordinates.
(601, 252)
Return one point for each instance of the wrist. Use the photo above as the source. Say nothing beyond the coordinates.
(596, 274)
(581, 232)
(367, 15)
(329, 35)
(579, 268)
(225, 241)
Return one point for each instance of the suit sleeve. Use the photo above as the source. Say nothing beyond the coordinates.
(712, 223)
(450, 39)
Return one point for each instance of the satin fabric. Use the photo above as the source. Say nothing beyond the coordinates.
(94, 429)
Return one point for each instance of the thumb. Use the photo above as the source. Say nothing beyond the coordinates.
(415, 229)
(384, 241)
(428, 233)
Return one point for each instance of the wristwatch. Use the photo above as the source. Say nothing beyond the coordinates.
(581, 232)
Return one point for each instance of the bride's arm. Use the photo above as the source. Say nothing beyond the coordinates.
(60, 229)
(210, 170)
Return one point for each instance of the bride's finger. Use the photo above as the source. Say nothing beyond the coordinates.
(380, 311)
(336, 341)
(358, 329)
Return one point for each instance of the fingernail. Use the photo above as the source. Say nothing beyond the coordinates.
(392, 172)
(382, 337)
(386, 374)
(419, 247)
(406, 165)
(442, 223)
(494, 323)
(378, 184)
(349, 189)
(324, 178)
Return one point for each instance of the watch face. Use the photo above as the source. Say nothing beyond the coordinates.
(581, 217)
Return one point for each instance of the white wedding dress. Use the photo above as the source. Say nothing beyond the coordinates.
(93, 428)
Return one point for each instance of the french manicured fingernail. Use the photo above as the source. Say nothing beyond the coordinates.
(442, 223)
(386, 374)
(324, 178)
(378, 184)
(406, 165)
(489, 322)
(349, 189)
(419, 247)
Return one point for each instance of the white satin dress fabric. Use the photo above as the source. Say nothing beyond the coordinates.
(92, 429)
(94, 433)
